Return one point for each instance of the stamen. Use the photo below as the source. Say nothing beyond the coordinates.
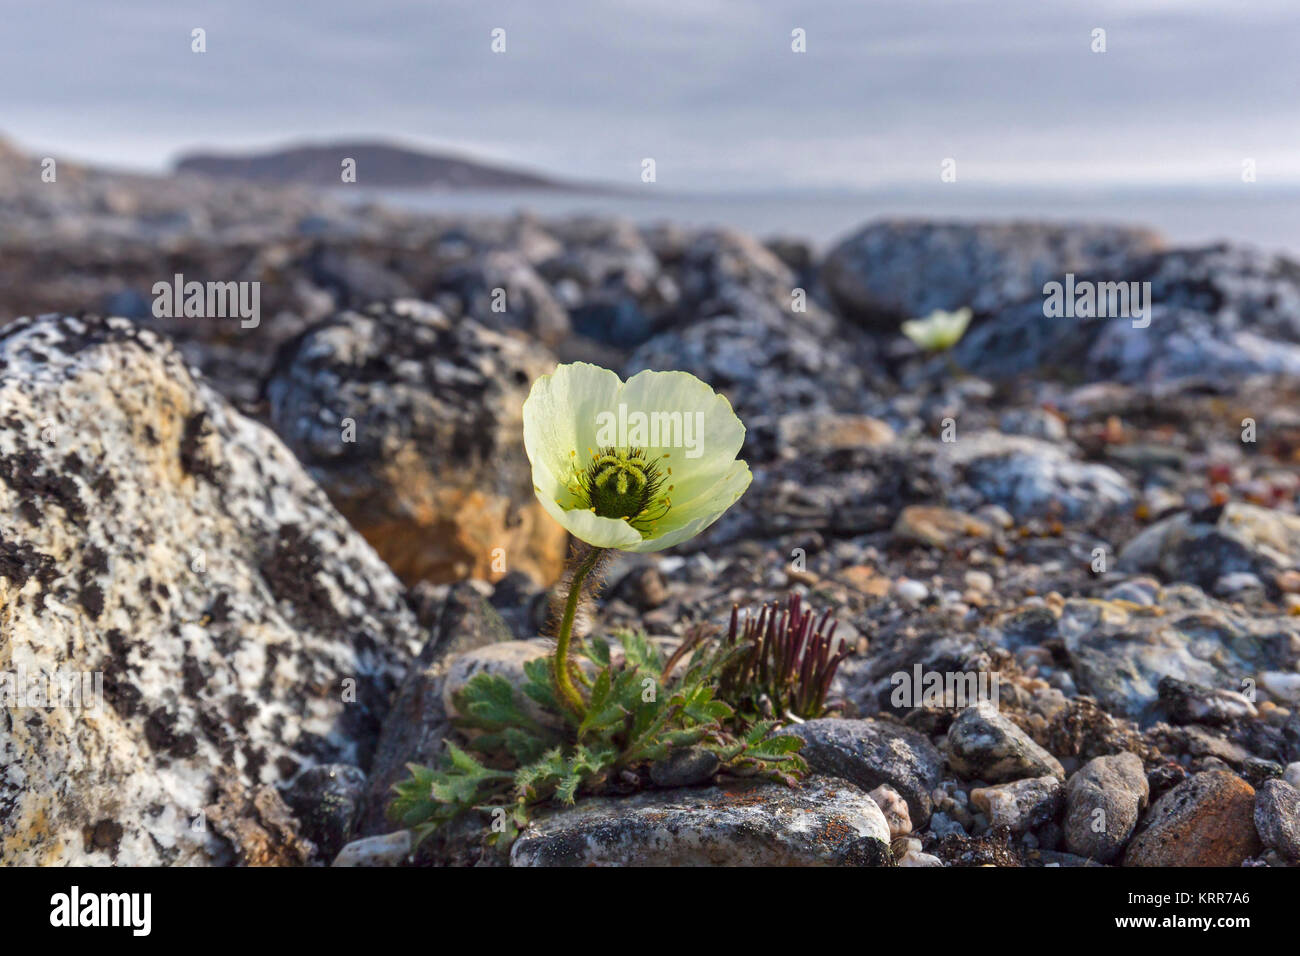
(622, 483)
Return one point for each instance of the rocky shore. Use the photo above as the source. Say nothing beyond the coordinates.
(282, 545)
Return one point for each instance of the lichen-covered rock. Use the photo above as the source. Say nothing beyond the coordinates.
(255, 822)
(418, 722)
(1103, 800)
(767, 361)
(158, 539)
(413, 425)
(1207, 820)
(984, 745)
(872, 752)
(822, 823)
(897, 269)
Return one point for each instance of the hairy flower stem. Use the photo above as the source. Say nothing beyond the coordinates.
(564, 686)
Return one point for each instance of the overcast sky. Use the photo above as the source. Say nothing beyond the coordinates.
(709, 88)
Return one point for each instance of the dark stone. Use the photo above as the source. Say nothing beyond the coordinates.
(871, 752)
(327, 800)
(684, 768)
(418, 724)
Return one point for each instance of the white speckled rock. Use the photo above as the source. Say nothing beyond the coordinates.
(917, 858)
(825, 823)
(984, 745)
(159, 539)
(391, 849)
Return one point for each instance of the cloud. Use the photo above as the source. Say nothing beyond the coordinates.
(709, 88)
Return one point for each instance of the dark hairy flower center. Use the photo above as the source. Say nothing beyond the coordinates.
(624, 484)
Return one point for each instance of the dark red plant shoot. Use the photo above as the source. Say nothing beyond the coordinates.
(790, 665)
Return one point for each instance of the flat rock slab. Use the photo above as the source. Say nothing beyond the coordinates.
(825, 823)
(1119, 653)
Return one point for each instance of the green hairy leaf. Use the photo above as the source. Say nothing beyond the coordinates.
(638, 709)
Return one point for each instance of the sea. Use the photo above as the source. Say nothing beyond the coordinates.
(1267, 217)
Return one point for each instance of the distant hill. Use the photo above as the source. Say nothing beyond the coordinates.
(378, 164)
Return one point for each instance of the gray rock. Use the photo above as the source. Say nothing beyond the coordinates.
(1103, 802)
(643, 587)
(872, 752)
(1021, 805)
(1291, 736)
(419, 723)
(354, 279)
(823, 823)
(898, 269)
(767, 361)
(917, 858)
(413, 425)
(1221, 313)
(942, 825)
(505, 660)
(1277, 818)
(1189, 704)
(529, 304)
(1029, 477)
(1033, 423)
(243, 629)
(984, 745)
(1203, 548)
(1258, 771)
(1238, 585)
(1119, 654)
